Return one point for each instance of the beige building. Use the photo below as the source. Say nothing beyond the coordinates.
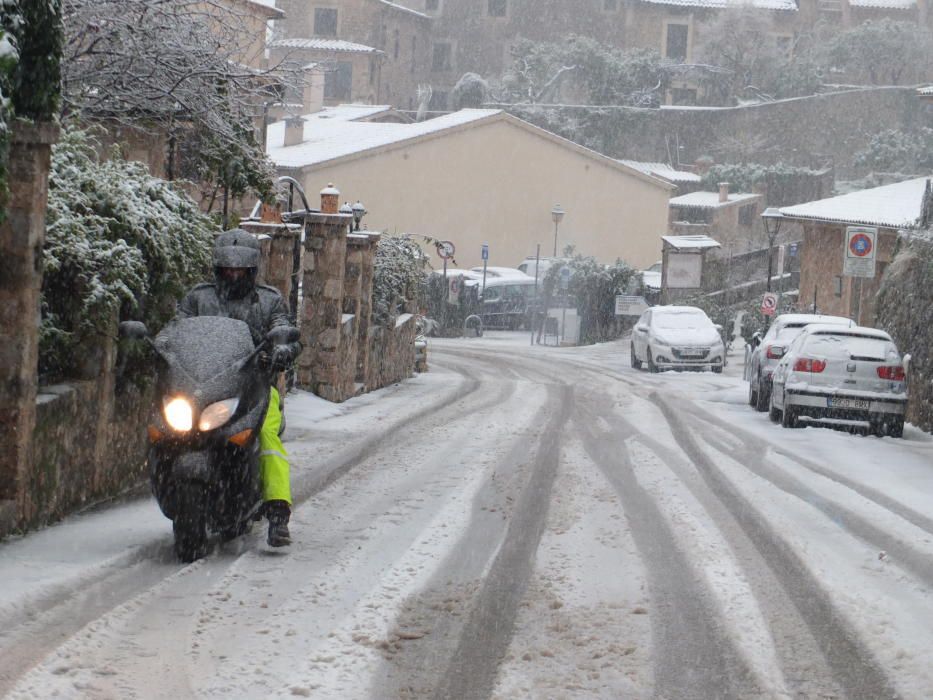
(889, 210)
(733, 219)
(474, 177)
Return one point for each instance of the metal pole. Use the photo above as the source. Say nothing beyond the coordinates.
(563, 322)
(858, 301)
(814, 297)
(534, 308)
(446, 285)
(556, 224)
(484, 275)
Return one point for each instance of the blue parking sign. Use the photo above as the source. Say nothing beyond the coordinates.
(485, 251)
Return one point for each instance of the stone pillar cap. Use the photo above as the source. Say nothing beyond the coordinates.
(330, 189)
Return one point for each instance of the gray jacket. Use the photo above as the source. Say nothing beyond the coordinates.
(262, 310)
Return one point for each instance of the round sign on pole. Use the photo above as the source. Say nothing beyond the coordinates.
(769, 304)
(445, 249)
(860, 245)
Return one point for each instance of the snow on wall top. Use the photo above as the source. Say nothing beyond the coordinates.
(710, 200)
(335, 132)
(402, 8)
(885, 4)
(662, 170)
(696, 241)
(788, 5)
(893, 206)
(926, 90)
(322, 45)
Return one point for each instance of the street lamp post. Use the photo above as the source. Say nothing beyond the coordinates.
(772, 218)
(557, 214)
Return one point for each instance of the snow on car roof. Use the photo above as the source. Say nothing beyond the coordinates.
(800, 319)
(855, 331)
(677, 310)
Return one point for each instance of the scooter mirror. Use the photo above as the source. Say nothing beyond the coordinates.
(135, 330)
(283, 335)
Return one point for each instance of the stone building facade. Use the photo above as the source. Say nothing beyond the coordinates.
(399, 34)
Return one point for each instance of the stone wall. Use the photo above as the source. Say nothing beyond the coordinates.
(392, 352)
(806, 131)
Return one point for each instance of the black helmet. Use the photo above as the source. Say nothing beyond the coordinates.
(236, 249)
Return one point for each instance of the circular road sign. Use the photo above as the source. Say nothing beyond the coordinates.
(446, 249)
(769, 303)
(860, 245)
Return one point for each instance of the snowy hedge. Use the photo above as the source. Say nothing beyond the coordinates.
(592, 289)
(905, 310)
(398, 277)
(119, 242)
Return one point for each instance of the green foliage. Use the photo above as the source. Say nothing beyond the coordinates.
(398, 277)
(592, 289)
(449, 317)
(884, 51)
(894, 150)
(607, 76)
(119, 243)
(35, 27)
(905, 310)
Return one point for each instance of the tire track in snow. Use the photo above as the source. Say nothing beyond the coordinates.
(853, 666)
(693, 656)
(487, 632)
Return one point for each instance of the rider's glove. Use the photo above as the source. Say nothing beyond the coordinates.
(280, 358)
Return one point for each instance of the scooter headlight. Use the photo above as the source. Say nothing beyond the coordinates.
(217, 414)
(179, 414)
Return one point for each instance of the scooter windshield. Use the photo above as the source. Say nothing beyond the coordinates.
(205, 346)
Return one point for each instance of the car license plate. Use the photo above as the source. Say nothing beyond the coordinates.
(693, 352)
(862, 404)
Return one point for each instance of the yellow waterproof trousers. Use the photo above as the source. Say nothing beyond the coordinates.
(273, 460)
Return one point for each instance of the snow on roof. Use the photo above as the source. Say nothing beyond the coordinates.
(710, 200)
(893, 206)
(926, 90)
(267, 7)
(788, 5)
(696, 241)
(662, 170)
(336, 132)
(338, 45)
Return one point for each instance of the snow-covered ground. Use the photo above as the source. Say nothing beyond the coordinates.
(521, 521)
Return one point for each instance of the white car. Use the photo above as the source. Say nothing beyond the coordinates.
(673, 337)
(852, 377)
(497, 272)
(766, 353)
(652, 277)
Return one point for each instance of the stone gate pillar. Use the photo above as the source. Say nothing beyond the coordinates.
(22, 235)
(325, 259)
(367, 276)
(278, 254)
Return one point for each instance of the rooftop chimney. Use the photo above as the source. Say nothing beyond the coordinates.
(723, 192)
(294, 131)
(312, 91)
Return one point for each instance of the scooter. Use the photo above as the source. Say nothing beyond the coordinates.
(212, 397)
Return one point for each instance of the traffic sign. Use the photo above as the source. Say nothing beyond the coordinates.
(454, 285)
(564, 277)
(792, 250)
(860, 251)
(769, 304)
(485, 251)
(630, 305)
(446, 249)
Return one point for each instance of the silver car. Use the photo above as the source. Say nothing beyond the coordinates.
(677, 337)
(767, 351)
(850, 377)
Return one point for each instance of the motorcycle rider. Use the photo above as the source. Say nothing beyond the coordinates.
(235, 294)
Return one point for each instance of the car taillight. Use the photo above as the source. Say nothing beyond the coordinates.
(895, 373)
(807, 364)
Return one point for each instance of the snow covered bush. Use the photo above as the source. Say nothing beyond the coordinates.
(896, 150)
(592, 289)
(119, 243)
(905, 310)
(398, 277)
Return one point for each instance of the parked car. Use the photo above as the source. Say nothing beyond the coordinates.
(677, 337)
(528, 266)
(652, 277)
(506, 302)
(497, 272)
(853, 377)
(767, 351)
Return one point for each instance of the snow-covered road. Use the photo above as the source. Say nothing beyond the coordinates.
(519, 522)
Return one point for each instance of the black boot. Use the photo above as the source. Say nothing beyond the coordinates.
(278, 513)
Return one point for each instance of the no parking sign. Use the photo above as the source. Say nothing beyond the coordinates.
(861, 246)
(769, 304)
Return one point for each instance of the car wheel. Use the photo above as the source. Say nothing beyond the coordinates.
(752, 394)
(892, 427)
(789, 416)
(636, 363)
(653, 368)
(717, 369)
(774, 413)
(764, 397)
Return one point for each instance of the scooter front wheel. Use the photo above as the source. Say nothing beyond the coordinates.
(190, 523)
